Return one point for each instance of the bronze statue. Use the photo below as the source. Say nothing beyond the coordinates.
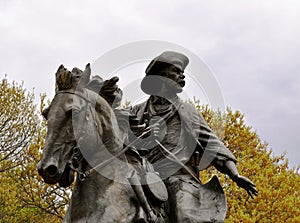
(95, 198)
(183, 145)
(136, 165)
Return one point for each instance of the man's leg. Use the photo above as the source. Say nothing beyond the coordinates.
(191, 202)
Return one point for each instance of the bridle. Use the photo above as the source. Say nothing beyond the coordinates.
(76, 160)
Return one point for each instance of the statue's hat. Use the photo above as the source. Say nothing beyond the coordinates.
(151, 82)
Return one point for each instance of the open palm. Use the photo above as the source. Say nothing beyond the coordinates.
(247, 184)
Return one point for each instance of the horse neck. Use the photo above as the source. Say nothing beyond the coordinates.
(104, 186)
(94, 187)
(91, 188)
(94, 196)
(106, 120)
(84, 197)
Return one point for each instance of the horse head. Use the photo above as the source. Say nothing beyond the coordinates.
(77, 119)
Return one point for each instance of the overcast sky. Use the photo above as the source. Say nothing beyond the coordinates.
(252, 47)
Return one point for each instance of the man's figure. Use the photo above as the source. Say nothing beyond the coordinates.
(182, 144)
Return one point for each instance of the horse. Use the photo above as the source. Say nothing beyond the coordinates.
(83, 132)
(84, 135)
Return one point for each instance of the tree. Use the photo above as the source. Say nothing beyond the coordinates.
(278, 186)
(24, 197)
(17, 123)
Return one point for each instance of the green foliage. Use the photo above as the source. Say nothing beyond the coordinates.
(24, 197)
(278, 186)
(17, 123)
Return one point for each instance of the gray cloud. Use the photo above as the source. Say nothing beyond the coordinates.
(252, 47)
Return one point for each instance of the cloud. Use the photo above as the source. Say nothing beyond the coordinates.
(253, 48)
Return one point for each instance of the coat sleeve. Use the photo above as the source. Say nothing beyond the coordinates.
(212, 150)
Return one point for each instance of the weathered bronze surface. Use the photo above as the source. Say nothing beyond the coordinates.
(135, 165)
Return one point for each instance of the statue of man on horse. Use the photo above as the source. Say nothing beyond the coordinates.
(181, 145)
(140, 164)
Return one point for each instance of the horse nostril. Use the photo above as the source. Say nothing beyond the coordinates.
(51, 170)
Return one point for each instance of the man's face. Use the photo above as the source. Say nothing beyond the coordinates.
(176, 77)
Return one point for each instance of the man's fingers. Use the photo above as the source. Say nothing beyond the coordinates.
(252, 188)
(250, 194)
(113, 80)
(110, 84)
(254, 191)
(248, 185)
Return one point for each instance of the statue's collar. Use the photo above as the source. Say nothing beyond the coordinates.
(162, 101)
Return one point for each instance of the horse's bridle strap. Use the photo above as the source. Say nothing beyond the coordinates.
(75, 162)
(77, 93)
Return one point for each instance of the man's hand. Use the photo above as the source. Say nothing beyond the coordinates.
(155, 130)
(136, 126)
(245, 183)
(111, 92)
(108, 89)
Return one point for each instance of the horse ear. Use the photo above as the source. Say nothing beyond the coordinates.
(60, 68)
(63, 79)
(85, 77)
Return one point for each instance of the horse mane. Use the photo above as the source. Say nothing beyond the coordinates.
(107, 89)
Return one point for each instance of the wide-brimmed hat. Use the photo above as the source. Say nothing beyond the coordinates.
(153, 80)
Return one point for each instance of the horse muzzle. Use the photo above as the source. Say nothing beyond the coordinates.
(52, 175)
(49, 172)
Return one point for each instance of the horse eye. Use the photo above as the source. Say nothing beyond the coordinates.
(73, 111)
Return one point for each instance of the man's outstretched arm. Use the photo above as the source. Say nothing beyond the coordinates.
(230, 169)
